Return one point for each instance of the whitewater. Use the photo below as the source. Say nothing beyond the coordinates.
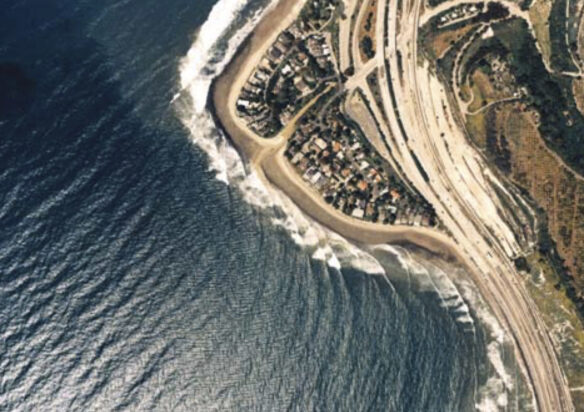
(215, 44)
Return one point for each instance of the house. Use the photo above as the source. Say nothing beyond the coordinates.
(320, 143)
(243, 103)
(321, 181)
(315, 177)
(287, 71)
(302, 58)
(301, 85)
(275, 54)
(285, 117)
(370, 210)
(261, 75)
(417, 220)
(282, 48)
(295, 31)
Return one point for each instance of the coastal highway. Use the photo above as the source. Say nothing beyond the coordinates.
(460, 188)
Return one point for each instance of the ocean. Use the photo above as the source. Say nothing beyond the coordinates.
(143, 266)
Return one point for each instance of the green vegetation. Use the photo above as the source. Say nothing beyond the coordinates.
(368, 22)
(497, 145)
(565, 281)
(419, 166)
(373, 83)
(317, 12)
(560, 57)
(367, 47)
(435, 3)
(562, 124)
(445, 64)
(560, 317)
(331, 152)
(526, 4)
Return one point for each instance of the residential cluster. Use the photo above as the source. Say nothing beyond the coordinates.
(333, 157)
(500, 76)
(459, 13)
(299, 64)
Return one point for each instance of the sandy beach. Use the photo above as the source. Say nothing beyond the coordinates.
(266, 155)
(504, 294)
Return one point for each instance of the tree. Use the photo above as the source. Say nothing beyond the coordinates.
(367, 47)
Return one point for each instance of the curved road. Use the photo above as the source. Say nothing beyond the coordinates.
(460, 188)
(460, 185)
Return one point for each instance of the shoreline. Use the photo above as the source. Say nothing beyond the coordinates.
(266, 158)
(520, 319)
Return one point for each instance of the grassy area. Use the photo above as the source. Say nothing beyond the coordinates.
(561, 319)
(560, 196)
(560, 53)
(367, 31)
(562, 124)
(476, 127)
(333, 29)
(538, 15)
(483, 91)
(465, 93)
(550, 285)
(437, 42)
(578, 92)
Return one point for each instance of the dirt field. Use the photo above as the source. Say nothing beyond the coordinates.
(439, 44)
(483, 91)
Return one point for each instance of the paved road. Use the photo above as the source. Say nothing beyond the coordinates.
(461, 189)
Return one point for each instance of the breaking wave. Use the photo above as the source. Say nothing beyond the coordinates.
(213, 48)
(458, 295)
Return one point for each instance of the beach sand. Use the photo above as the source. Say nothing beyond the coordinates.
(508, 300)
(266, 155)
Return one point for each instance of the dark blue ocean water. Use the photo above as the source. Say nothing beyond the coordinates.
(131, 279)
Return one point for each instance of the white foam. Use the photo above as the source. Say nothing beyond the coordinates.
(459, 294)
(431, 278)
(206, 60)
(326, 254)
(494, 394)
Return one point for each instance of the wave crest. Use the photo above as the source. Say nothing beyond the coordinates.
(214, 46)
